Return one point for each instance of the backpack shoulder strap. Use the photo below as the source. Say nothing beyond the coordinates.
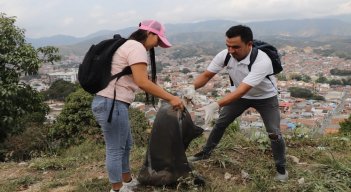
(126, 71)
(226, 60)
(253, 56)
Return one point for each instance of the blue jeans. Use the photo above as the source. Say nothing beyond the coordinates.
(117, 135)
(270, 113)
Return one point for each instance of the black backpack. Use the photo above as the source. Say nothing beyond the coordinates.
(94, 74)
(269, 49)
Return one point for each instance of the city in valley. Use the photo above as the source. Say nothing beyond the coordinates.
(176, 73)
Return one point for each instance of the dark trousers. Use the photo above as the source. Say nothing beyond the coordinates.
(269, 111)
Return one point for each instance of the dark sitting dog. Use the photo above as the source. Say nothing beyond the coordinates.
(165, 160)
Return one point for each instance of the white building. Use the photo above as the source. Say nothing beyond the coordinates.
(70, 76)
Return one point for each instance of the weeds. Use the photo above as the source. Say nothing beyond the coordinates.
(53, 163)
(238, 164)
(19, 184)
(94, 185)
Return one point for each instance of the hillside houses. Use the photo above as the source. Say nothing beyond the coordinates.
(295, 112)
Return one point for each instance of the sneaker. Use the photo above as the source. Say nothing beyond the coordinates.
(131, 184)
(199, 156)
(282, 177)
(123, 189)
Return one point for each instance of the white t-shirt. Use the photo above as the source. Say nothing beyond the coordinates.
(262, 87)
(131, 52)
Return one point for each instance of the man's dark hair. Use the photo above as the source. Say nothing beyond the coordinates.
(240, 30)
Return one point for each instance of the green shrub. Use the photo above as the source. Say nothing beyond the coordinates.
(345, 126)
(76, 122)
(31, 143)
(139, 126)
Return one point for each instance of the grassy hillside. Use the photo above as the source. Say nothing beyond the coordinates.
(242, 162)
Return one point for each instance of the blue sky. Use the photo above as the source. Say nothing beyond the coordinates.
(42, 18)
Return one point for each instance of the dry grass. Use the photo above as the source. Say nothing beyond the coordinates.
(238, 164)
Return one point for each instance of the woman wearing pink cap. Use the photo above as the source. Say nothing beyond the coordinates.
(117, 134)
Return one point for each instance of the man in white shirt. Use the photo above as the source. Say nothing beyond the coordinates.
(251, 89)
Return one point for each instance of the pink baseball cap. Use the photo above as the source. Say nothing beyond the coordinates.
(157, 28)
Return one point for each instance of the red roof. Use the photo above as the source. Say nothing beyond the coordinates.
(285, 104)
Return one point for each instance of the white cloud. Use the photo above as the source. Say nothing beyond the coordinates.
(83, 17)
(344, 8)
(68, 21)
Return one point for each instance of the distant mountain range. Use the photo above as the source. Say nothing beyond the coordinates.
(214, 30)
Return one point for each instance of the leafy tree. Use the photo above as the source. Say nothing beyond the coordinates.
(18, 58)
(76, 121)
(185, 70)
(214, 93)
(303, 93)
(318, 97)
(339, 72)
(325, 52)
(321, 79)
(167, 78)
(343, 54)
(184, 52)
(201, 60)
(48, 54)
(281, 77)
(345, 126)
(296, 77)
(346, 81)
(139, 126)
(303, 77)
(335, 82)
(140, 97)
(60, 89)
(306, 78)
(160, 66)
(300, 92)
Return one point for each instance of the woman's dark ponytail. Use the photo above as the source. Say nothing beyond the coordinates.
(141, 36)
(153, 74)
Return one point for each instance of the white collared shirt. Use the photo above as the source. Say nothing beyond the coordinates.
(262, 87)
